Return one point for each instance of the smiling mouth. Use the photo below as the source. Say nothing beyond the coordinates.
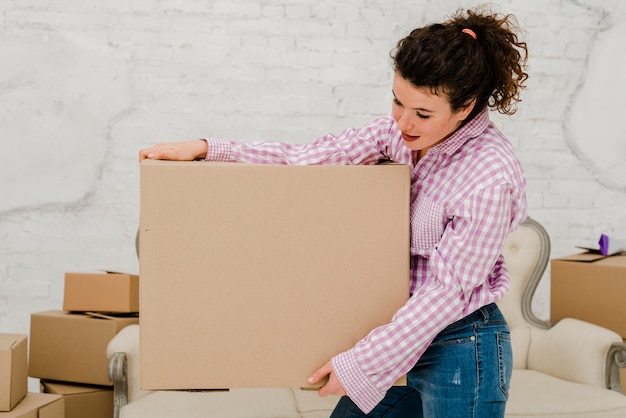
(409, 138)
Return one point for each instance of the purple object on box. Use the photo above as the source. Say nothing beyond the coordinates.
(604, 245)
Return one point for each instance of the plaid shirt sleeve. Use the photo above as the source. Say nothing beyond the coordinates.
(365, 145)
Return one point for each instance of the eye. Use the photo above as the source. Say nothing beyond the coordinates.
(421, 115)
(396, 102)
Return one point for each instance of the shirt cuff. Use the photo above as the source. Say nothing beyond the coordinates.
(218, 150)
(356, 383)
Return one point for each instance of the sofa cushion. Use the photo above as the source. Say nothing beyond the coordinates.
(534, 394)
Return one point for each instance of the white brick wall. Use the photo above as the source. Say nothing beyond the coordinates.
(85, 84)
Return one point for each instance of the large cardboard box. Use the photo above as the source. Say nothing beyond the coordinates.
(71, 347)
(82, 400)
(256, 275)
(590, 287)
(101, 292)
(38, 405)
(13, 369)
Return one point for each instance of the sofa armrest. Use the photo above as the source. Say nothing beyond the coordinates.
(574, 350)
(615, 361)
(123, 355)
(117, 374)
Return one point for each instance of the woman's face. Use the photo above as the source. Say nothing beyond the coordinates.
(424, 118)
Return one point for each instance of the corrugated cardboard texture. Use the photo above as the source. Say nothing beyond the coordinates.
(82, 401)
(101, 292)
(255, 275)
(13, 369)
(72, 347)
(590, 290)
(38, 405)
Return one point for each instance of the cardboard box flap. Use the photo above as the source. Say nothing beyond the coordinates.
(68, 389)
(586, 257)
(82, 400)
(9, 341)
(110, 315)
(103, 272)
(592, 256)
(118, 272)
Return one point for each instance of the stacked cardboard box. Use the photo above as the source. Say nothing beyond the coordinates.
(590, 287)
(68, 347)
(82, 400)
(38, 405)
(71, 347)
(109, 292)
(14, 370)
(15, 402)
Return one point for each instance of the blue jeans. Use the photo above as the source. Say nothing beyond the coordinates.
(465, 372)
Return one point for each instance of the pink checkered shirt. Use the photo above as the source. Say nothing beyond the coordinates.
(467, 194)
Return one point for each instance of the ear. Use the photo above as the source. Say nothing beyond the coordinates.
(467, 109)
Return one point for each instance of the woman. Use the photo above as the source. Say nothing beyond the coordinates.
(468, 193)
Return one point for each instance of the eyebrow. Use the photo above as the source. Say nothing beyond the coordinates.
(421, 109)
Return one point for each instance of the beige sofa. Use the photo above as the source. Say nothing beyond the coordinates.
(566, 370)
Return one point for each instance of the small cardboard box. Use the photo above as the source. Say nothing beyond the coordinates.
(13, 369)
(82, 400)
(71, 347)
(590, 287)
(101, 292)
(256, 275)
(38, 405)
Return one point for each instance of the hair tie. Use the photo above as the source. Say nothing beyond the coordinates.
(469, 32)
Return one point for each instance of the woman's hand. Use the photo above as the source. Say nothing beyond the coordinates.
(332, 387)
(179, 151)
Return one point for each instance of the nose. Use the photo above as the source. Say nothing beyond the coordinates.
(404, 122)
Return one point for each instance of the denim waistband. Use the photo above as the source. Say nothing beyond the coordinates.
(481, 314)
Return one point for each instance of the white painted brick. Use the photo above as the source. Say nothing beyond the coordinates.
(323, 10)
(557, 201)
(346, 11)
(297, 11)
(27, 290)
(245, 70)
(231, 9)
(281, 42)
(236, 73)
(273, 10)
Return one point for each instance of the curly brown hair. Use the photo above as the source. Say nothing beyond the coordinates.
(489, 67)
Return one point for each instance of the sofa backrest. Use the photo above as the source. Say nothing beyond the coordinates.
(526, 253)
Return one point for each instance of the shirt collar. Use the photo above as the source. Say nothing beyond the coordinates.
(468, 131)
